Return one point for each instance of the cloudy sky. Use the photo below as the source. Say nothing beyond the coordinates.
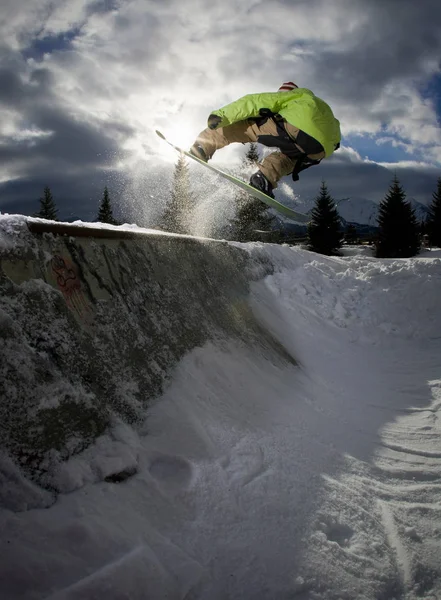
(84, 84)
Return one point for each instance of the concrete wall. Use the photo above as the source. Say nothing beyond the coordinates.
(93, 322)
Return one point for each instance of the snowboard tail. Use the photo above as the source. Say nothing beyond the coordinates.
(270, 202)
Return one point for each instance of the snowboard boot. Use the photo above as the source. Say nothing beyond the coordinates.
(261, 183)
(197, 151)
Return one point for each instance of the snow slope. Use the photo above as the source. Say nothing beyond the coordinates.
(259, 479)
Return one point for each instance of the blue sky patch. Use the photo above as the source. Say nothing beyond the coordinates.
(369, 147)
(50, 44)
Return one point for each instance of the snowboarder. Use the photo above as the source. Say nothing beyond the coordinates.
(292, 119)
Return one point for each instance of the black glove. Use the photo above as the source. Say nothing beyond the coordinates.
(213, 121)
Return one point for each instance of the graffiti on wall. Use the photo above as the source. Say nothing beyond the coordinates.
(69, 283)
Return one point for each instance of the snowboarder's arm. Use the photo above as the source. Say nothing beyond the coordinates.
(248, 107)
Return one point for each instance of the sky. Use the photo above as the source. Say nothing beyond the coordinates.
(84, 84)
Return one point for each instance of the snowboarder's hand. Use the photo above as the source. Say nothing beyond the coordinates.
(213, 121)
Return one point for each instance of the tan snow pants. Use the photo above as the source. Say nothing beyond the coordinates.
(274, 166)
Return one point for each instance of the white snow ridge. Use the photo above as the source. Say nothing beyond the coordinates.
(291, 449)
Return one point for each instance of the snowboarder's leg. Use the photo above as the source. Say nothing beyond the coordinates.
(210, 140)
(275, 166)
(279, 164)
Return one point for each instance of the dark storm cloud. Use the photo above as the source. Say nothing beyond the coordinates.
(11, 88)
(347, 178)
(394, 39)
(83, 85)
(71, 146)
(75, 197)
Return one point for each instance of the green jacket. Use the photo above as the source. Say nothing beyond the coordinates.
(299, 108)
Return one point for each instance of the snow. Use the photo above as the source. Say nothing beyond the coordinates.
(254, 479)
(14, 231)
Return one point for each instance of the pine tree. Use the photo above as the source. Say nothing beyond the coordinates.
(48, 209)
(433, 221)
(324, 231)
(177, 215)
(105, 212)
(252, 215)
(252, 155)
(398, 235)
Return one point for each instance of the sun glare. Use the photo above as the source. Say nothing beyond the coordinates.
(181, 135)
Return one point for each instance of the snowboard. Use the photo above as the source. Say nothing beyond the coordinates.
(281, 208)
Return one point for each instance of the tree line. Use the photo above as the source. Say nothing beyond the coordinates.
(399, 232)
(49, 210)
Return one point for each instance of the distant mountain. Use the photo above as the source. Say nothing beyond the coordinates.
(356, 210)
(421, 210)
